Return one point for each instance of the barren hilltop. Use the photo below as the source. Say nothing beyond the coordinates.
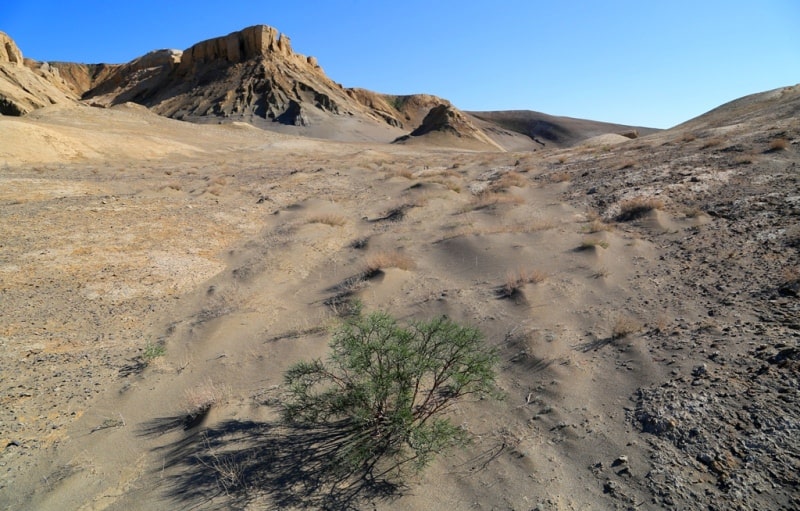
(158, 278)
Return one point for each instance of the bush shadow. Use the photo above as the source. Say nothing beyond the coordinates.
(294, 467)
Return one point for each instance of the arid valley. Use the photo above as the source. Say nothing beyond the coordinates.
(177, 231)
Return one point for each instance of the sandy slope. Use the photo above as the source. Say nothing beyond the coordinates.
(229, 247)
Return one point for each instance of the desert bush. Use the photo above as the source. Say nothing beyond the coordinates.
(389, 388)
(637, 208)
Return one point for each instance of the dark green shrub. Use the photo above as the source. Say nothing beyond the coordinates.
(389, 388)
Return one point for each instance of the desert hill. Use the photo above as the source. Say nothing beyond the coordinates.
(254, 76)
(545, 129)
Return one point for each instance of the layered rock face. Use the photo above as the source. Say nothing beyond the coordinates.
(252, 42)
(23, 89)
(8, 50)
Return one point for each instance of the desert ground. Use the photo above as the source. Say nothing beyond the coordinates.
(642, 294)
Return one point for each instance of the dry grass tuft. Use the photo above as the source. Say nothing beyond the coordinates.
(712, 142)
(637, 207)
(201, 398)
(381, 260)
(595, 226)
(508, 180)
(515, 280)
(406, 173)
(331, 219)
(490, 199)
(560, 177)
(592, 244)
(450, 184)
(624, 326)
(693, 212)
(778, 144)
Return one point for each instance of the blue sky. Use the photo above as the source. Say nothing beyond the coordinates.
(649, 63)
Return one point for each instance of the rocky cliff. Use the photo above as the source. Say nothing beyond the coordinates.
(23, 89)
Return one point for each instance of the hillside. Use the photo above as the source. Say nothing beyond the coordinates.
(254, 76)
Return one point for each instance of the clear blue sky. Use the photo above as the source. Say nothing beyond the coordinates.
(650, 63)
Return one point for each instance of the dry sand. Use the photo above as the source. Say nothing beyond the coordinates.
(124, 234)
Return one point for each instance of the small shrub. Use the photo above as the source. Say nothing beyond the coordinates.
(636, 208)
(388, 388)
(153, 351)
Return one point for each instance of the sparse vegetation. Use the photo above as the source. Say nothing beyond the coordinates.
(633, 209)
(389, 388)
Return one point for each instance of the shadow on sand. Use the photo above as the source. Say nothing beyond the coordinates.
(293, 467)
